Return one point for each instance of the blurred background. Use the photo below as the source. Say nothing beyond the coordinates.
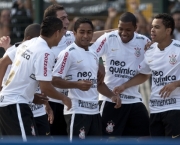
(15, 15)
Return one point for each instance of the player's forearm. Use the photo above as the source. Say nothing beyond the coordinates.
(138, 79)
(104, 90)
(48, 89)
(177, 83)
(64, 84)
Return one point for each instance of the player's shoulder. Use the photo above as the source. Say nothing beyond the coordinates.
(112, 34)
(176, 44)
(141, 37)
(151, 49)
(70, 49)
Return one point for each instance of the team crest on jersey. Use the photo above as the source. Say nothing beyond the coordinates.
(173, 59)
(137, 51)
(82, 133)
(110, 127)
(33, 131)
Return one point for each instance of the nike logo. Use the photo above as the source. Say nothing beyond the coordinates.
(150, 61)
(175, 136)
(79, 61)
(48, 133)
(114, 49)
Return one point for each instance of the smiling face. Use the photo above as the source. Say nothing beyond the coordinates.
(83, 35)
(126, 31)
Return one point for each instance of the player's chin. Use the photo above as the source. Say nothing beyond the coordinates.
(85, 43)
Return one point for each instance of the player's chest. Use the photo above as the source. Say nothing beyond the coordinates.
(85, 60)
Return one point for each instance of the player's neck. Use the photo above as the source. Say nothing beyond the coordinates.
(48, 41)
(163, 44)
(83, 47)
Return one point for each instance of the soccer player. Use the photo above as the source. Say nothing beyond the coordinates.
(59, 125)
(31, 67)
(76, 70)
(162, 61)
(122, 51)
(39, 110)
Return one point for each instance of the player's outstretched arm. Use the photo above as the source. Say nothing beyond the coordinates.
(48, 89)
(104, 90)
(167, 89)
(136, 80)
(83, 85)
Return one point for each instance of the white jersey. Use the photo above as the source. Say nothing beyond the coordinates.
(75, 64)
(164, 67)
(66, 40)
(37, 110)
(121, 62)
(9, 50)
(29, 66)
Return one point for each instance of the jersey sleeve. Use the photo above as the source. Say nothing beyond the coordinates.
(43, 66)
(100, 46)
(144, 68)
(11, 54)
(62, 65)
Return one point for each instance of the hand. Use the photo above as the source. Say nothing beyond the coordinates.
(112, 12)
(5, 42)
(149, 43)
(67, 102)
(119, 89)
(167, 89)
(50, 114)
(84, 85)
(40, 98)
(101, 74)
(117, 100)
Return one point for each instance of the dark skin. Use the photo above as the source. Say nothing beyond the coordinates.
(126, 31)
(83, 37)
(161, 35)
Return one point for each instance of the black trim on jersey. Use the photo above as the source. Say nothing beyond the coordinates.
(72, 48)
(177, 45)
(17, 44)
(67, 35)
(112, 35)
(140, 37)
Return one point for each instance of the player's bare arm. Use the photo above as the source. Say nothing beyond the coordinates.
(101, 74)
(48, 89)
(104, 90)
(138, 79)
(168, 89)
(83, 85)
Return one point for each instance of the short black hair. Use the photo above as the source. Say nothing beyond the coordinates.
(128, 17)
(32, 30)
(167, 21)
(50, 25)
(52, 9)
(82, 20)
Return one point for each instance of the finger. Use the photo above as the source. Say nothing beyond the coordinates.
(162, 90)
(166, 94)
(118, 104)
